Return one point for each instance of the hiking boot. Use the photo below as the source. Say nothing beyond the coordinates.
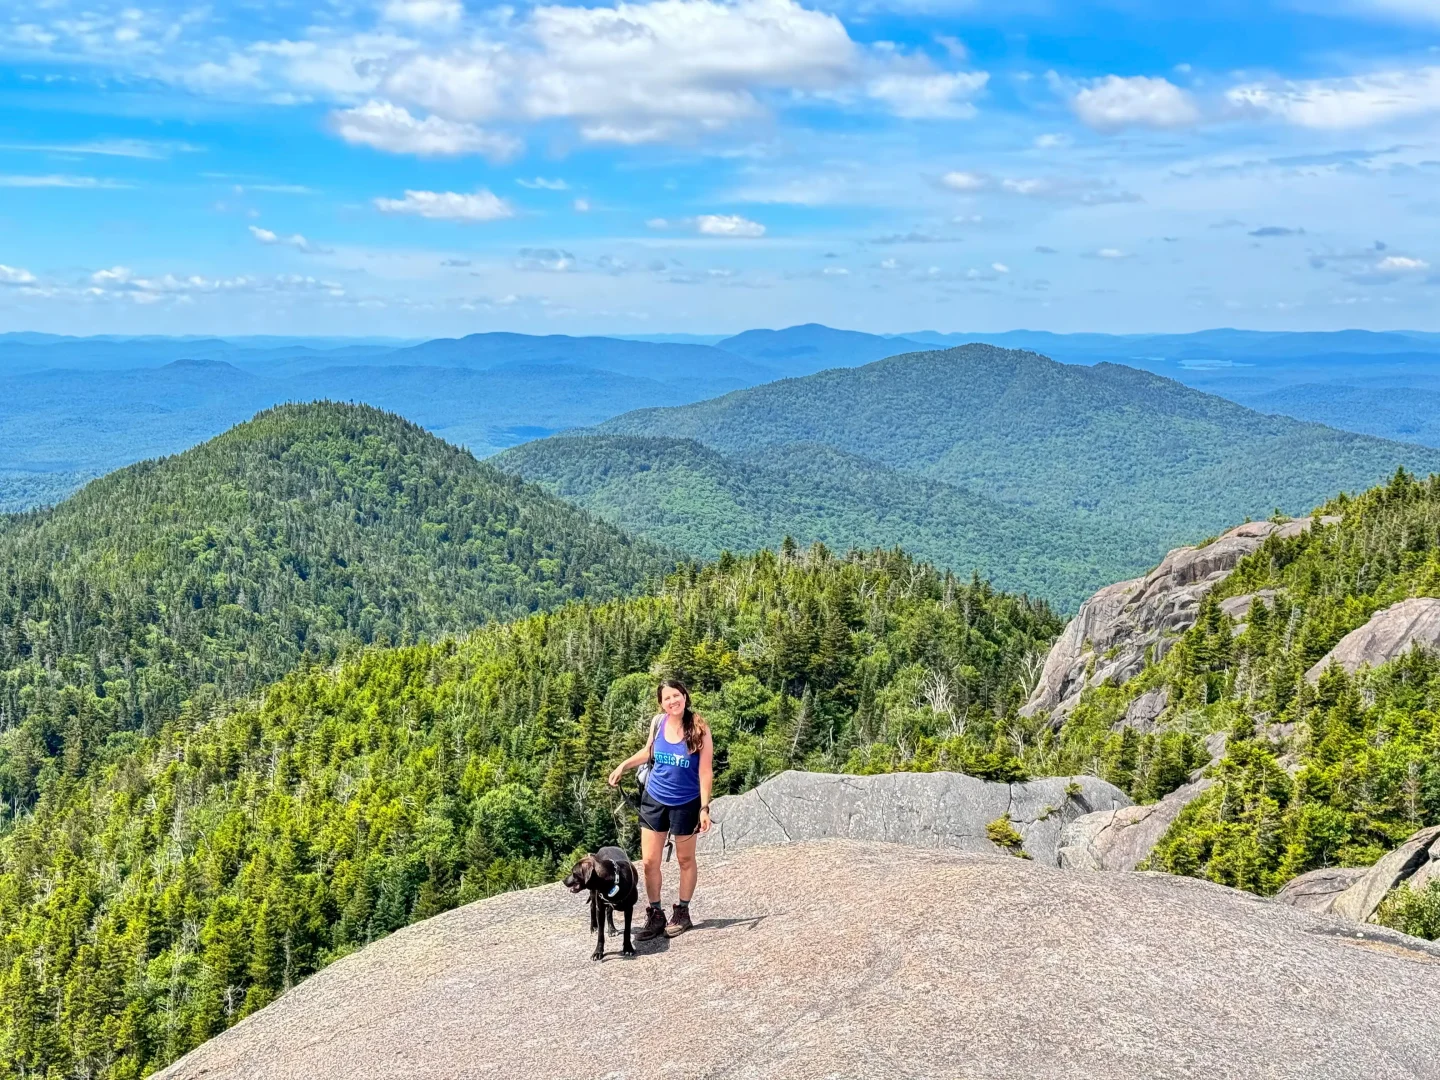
(654, 924)
(679, 921)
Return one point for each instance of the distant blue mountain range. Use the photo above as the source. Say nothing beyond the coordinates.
(71, 408)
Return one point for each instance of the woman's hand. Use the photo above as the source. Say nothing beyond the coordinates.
(704, 819)
(617, 774)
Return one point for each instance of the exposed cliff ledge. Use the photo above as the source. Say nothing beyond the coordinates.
(1110, 637)
(865, 961)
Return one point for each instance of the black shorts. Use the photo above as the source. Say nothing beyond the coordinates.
(682, 820)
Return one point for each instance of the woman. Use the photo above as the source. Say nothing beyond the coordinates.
(675, 801)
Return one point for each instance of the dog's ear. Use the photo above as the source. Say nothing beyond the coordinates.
(586, 869)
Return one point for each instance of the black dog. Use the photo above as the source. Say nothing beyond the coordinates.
(610, 876)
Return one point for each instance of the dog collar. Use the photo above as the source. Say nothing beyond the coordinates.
(613, 890)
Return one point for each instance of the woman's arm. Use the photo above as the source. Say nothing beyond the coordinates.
(707, 778)
(636, 759)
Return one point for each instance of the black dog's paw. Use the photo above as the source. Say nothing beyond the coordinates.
(628, 950)
(598, 954)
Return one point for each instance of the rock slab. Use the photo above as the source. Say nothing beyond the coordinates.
(1110, 637)
(842, 960)
(1122, 839)
(1388, 635)
(1316, 891)
(949, 810)
(1363, 898)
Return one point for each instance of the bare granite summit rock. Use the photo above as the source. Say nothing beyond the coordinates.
(1389, 634)
(921, 809)
(1123, 838)
(841, 960)
(1362, 899)
(1109, 638)
(1316, 891)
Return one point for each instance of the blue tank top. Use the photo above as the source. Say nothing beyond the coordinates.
(675, 779)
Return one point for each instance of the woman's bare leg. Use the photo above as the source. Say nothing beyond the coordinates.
(652, 850)
(685, 856)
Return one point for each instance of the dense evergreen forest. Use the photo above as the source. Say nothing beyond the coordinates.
(1139, 461)
(152, 903)
(1331, 774)
(689, 497)
(174, 584)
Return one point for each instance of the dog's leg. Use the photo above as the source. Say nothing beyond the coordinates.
(594, 911)
(628, 950)
(599, 953)
(610, 914)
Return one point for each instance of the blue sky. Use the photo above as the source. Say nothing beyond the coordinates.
(432, 167)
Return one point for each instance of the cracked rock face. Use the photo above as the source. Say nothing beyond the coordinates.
(864, 961)
(1316, 891)
(1114, 630)
(1389, 634)
(949, 810)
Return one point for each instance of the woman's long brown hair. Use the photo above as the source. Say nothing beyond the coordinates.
(693, 725)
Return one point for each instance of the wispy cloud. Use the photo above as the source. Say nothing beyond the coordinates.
(295, 240)
(59, 181)
(1359, 101)
(146, 149)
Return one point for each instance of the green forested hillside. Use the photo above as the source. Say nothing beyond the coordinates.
(165, 587)
(694, 499)
(1315, 775)
(152, 903)
(1146, 461)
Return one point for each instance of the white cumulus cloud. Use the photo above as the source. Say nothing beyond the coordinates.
(728, 225)
(481, 205)
(1401, 264)
(14, 275)
(963, 181)
(386, 126)
(1117, 102)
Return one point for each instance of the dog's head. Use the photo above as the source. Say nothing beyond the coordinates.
(588, 873)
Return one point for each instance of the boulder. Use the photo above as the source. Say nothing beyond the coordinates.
(1389, 634)
(1123, 838)
(1142, 713)
(1317, 890)
(919, 809)
(864, 961)
(1114, 631)
(1362, 899)
(1238, 607)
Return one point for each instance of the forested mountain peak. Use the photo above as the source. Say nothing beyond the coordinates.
(174, 582)
(1145, 462)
